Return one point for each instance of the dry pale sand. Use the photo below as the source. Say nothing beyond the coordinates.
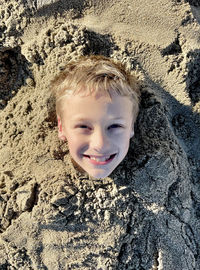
(146, 215)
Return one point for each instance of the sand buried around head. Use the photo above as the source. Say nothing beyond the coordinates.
(145, 215)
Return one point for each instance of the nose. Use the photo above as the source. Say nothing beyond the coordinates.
(99, 141)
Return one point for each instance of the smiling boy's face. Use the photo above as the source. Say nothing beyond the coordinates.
(98, 130)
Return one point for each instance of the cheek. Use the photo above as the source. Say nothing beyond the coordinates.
(123, 141)
(75, 143)
(125, 145)
(72, 143)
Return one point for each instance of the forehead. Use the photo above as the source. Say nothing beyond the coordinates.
(99, 105)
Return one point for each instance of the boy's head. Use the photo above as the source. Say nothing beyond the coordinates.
(96, 105)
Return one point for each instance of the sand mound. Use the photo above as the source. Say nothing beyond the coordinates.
(146, 214)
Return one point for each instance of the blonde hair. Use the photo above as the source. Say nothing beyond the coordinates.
(90, 75)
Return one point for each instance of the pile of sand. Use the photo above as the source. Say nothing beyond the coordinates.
(145, 215)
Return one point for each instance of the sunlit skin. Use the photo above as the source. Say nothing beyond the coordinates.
(98, 130)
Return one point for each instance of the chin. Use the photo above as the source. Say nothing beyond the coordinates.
(98, 175)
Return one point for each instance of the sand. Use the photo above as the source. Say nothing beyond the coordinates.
(145, 215)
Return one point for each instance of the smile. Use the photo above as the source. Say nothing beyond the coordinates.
(100, 160)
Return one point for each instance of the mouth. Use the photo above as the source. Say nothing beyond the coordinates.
(97, 160)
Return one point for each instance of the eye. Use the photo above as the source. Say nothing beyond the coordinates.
(115, 126)
(83, 127)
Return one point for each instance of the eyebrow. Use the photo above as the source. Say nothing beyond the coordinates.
(117, 118)
(85, 119)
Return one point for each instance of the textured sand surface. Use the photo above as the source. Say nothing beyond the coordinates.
(146, 214)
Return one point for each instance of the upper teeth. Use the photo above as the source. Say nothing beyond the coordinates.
(101, 159)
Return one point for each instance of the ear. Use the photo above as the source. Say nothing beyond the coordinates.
(132, 133)
(60, 129)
